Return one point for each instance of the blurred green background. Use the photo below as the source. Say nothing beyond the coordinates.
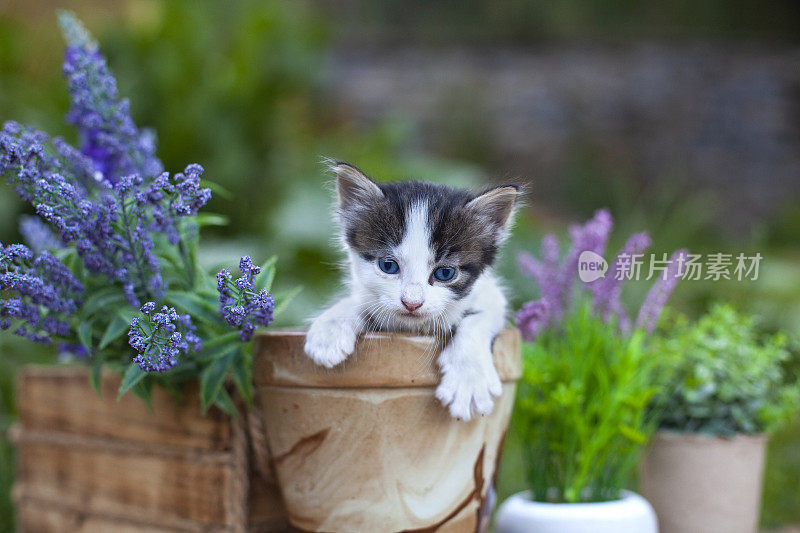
(681, 117)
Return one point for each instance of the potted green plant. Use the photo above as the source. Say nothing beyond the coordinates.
(587, 380)
(581, 417)
(109, 274)
(724, 390)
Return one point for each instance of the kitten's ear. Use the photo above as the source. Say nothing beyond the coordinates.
(497, 205)
(353, 187)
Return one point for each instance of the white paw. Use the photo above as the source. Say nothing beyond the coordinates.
(469, 385)
(329, 342)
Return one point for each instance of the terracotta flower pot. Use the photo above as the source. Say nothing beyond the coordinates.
(367, 446)
(701, 483)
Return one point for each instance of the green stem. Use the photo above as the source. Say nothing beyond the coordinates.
(188, 264)
(136, 256)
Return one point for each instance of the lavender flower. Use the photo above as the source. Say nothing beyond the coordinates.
(110, 204)
(606, 291)
(68, 350)
(77, 164)
(659, 293)
(24, 158)
(43, 293)
(43, 280)
(111, 196)
(37, 234)
(593, 237)
(157, 339)
(557, 280)
(239, 304)
(171, 200)
(137, 246)
(108, 233)
(16, 308)
(532, 319)
(545, 271)
(109, 138)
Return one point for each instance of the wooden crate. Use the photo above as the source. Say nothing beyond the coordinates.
(92, 465)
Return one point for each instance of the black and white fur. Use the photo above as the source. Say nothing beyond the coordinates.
(421, 226)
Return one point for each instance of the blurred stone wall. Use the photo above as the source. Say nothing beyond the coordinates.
(722, 117)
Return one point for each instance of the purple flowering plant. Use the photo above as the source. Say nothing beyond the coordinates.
(110, 271)
(560, 287)
(588, 372)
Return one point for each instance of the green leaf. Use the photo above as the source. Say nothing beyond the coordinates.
(242, 371)
(267, 274)
(284, 299)
(133, 375)
(144, 390)
(217, 189)
(217, 347)
(213, 377)
(71, 261)
(100, 300)
(189, 302)
(118, 327)
(96, 374)
(211, 219)
(632, 434)
(170, 256)
(85, 334)
(225, 403)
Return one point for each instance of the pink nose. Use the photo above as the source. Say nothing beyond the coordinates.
(411, 306)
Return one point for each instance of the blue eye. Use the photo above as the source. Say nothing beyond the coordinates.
(444, 273)
(389, 266)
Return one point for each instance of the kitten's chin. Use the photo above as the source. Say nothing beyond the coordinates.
(412, 316)
(414, 322)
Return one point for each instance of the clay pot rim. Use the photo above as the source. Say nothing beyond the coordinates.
(301, 332)
(699, 437)
(381, 360)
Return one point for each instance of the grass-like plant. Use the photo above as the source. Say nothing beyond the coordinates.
(721, 377)
(581, 409)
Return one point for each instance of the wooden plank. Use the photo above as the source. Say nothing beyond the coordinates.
(174, 490)
(61, 399)
(42, 517)
(266, 512)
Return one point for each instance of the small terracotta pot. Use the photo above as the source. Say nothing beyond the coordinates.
(366, 446)
(702, 483)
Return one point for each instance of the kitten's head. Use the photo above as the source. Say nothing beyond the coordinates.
(417, 248)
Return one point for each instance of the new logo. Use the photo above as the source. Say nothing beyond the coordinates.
(591, 266)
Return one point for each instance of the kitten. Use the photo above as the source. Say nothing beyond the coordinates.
(420, 258)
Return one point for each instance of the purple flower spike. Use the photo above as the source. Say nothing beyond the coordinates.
(532, 319)
(593, 237)
(43, 292)
(659, 293)
(110, 139)
(530, 266)
(37, 234)
(160, 337)
(606, 291)
(239, 305)
(557, 280)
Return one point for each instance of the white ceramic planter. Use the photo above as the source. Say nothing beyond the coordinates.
(630, 514)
